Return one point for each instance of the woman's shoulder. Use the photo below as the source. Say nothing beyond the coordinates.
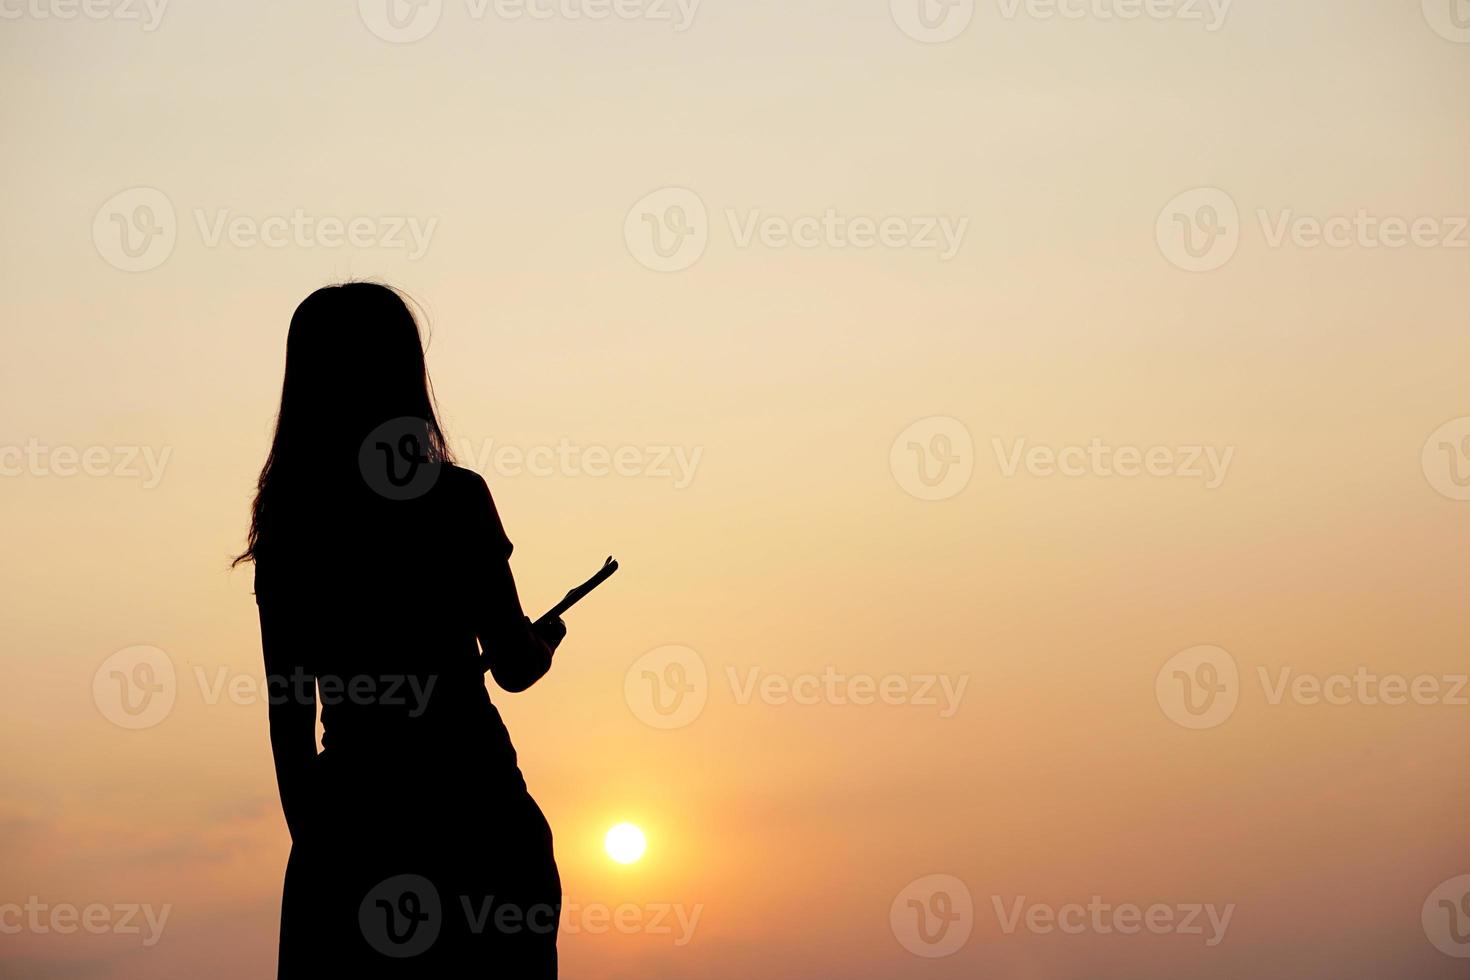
(467, 495)
(460, 485)
(465, 492)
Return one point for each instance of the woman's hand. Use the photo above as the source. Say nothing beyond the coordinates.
(551, 631)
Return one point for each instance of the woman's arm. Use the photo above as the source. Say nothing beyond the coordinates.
(291, 693)
(515, 651)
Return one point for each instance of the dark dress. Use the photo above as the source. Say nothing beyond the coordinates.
(416, 848)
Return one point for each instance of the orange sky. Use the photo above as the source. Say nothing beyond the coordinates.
(861, 229)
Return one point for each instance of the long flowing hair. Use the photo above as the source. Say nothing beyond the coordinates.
(354, 362)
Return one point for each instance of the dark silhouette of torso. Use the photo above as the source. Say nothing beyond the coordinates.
(417, 850)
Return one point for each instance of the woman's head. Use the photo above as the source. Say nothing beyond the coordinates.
(354, 362)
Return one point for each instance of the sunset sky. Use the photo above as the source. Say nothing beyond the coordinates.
(937, 375)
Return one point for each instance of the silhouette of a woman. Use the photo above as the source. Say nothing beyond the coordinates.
(385, 591)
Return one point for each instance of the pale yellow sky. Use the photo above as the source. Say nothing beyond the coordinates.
(769, 518)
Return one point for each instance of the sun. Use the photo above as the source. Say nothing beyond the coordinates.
(625, 843)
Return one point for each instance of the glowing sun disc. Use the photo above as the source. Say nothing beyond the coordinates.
(625, 843)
